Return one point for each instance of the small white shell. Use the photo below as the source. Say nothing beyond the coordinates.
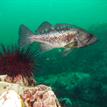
(10, 99)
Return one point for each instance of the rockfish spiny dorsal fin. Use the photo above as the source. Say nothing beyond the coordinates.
(45, 27)
(60, 27)
(24, 34)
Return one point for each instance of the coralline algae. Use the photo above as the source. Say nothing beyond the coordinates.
(26, 96)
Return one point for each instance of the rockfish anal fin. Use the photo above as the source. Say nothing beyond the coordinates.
(46, 47)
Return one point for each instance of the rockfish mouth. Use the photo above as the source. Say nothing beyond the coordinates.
(56, 36)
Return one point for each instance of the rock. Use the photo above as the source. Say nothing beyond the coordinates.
(38, 96)
(89, 91)
(10, 99)
(41, 96)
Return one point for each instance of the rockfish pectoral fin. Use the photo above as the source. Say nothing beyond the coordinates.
(69, 48)
(71, 45)
(24, 35)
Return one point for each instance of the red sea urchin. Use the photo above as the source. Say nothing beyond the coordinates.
(18, 64)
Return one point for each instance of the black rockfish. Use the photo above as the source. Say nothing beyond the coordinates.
(58, 36)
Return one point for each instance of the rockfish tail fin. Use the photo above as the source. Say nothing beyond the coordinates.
(24, 35)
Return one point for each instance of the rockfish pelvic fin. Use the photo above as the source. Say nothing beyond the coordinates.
(67, 51)
(24, 34)
(45, 27)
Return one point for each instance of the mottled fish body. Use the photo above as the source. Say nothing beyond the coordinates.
(58, 36)
(54, 39)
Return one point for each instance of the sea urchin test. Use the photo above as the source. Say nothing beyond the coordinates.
(18, 64)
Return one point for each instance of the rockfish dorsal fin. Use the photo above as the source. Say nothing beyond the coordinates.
(60, 27)
(24, 34)
(45, 27)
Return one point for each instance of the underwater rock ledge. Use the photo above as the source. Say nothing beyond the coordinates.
(28, 96)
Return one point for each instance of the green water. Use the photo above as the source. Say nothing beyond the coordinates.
(32, 12)
(56, 70)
